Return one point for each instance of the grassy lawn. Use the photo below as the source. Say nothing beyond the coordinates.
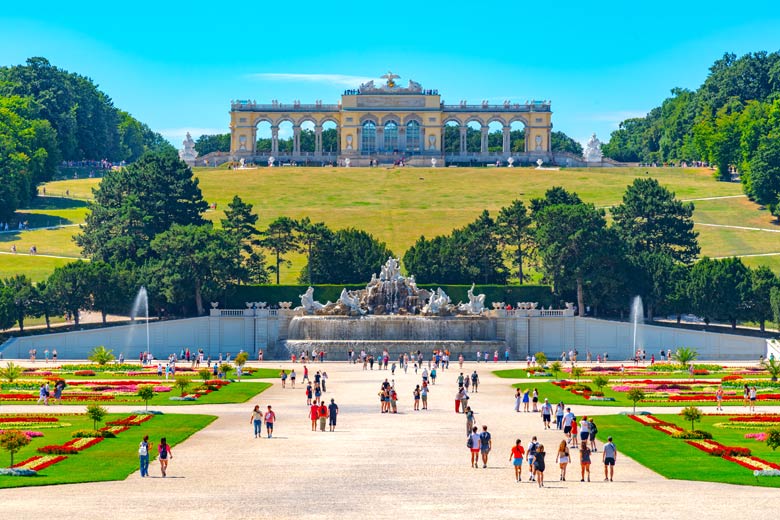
(111, 459)
(391, 203)
(675, 459)
(36, 267)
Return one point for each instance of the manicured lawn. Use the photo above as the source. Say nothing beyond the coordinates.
(111, 459)
(675, 459)
(35, 267)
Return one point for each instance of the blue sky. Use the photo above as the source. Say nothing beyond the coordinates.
(177, 66)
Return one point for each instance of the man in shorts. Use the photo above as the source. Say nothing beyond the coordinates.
(333, 411)
(567, 420)
(609, 456)
(531, 456)
(546, 414)
(485, 444)
(473, 445)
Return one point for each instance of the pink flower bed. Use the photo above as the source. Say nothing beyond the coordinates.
(757, 436)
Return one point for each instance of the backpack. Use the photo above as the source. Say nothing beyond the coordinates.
(532, 448)
(469, 442)
(142, 449)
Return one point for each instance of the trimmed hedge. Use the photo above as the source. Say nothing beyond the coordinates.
(237, 295)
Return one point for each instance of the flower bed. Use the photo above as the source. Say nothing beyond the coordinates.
(769, 418)
(39, 462)
(760, 436)
(72, 446)
(32, 418)
(30, 434)
(133, 420)
(84, 373)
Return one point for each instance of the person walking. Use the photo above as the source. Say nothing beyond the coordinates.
(516, 457)
(568, 419)
(719, 398)
(143, 456)
(322, 414)
(292, 378)
(164, 454)
(546, 414)
(270, 419)
(609, 456)
(753, 397)
(458, 397)
(469, 419)
(563, 457)
(531, 457)
(584, 461)
(526, 401)
(472, 443)
(485, 445)
(535, 400)
(283, 376)
(257, 420)
(58, 388)
(464, 400)
(475, 381)
(424, 396)
(416, 394)
(518, 399)
(333, 411)
(539, 465)
(593, 432)
(559, 415)
(314, 414)
(584, 429)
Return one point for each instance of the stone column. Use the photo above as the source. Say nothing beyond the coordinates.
(527, 138)
(318, 140)
(253, 146)
(507, 140)
(296, 139)
(483, 145)
(463, 130)
(380, 138)
(275, 140)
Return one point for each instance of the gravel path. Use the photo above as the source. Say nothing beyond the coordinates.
(378, 466)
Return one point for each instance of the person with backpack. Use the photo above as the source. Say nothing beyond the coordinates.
(532, 457)
(164, 454)
(472, 443)
(593, 432)
(474, 381)
(485, 445)
(322, 415)
(143, 456)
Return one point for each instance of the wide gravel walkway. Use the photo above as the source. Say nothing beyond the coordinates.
(410, 465)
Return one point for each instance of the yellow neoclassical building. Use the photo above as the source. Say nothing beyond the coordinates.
(390, 122)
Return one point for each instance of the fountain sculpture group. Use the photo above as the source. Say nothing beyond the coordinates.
(391, 293)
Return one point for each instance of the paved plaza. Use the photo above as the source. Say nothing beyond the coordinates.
(410, 465)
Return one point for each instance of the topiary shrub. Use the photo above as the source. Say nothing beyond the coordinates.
(692, 434)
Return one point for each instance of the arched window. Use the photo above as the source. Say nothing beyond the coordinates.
(391, 136)
(368, 139)
(413, 136)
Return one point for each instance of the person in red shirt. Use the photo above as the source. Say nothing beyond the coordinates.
(516, 457)
(323, 415)
(314, 414)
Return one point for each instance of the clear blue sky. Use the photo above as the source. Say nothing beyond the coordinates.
(176, 67)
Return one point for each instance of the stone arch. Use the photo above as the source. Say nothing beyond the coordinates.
(310, 119)
(413, 117)
(390, 118)
(474, 119)
(496, 118)
(369, 117)
(329, 119)
(263, 119)
(452, 119)
(517, 119)
(284, 119)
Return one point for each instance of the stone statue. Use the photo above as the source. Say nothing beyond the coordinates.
(352, 302)
(414, 86)
(367, 86)
(592, 152)
(188, 153)
(438, 302)
(308, 303)
(476, 303)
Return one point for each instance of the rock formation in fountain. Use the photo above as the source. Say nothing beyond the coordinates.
(391, 293)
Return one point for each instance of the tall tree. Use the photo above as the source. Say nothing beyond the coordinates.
(23, 296)
(763, 280)
(570, 237)
(346, 256)
(514, 232)
(69, 285)
(555, 195)
(241, 223)
(313, 236)
(719, 289)
(651, 220)
(195, 261)
(134, 204)
(279, 238)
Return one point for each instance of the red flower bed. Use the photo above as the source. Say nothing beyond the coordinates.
(71, 447)
(731, 377)
(34, 418)
(708, 397)
(770, 418)
(84, 373)
(719, 450)
(45, 462)
(217, 382)
(752, 463)
(700, 372)
(133, 420)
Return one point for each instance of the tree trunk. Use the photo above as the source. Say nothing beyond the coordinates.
(650, 311)
(762, 325)
(103, 313)
(21, 323)
(580, 297)
(48, 322)
(198, 298)
(278, 262)
(520, 276)
(733, 323)
(76, 318)
(679, 318)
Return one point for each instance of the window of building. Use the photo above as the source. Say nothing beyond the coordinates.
(413, 136)
(368, 137)
(391, 136)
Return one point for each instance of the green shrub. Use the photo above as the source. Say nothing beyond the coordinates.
(691, 413)
(635, 395)
(773, 438)
(101, 356)
(541, 358)
(600, 382)
(91, 434)
(580, 387)
(205, 374)
(577, 372)
(11, 372)
(146, 392)
(96, 413)
(13, 441)
(182, 383)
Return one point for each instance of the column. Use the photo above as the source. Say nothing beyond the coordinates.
(318, 140)
(275, 140)
(463, 130)
(296, 139)
(507, 140)
(253, 146)
(380, 138)
(402, 139)
(527, 138)
(483, 144)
